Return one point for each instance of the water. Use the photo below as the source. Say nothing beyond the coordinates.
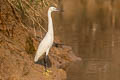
(91, 27)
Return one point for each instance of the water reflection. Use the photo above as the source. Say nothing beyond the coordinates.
(91, 27)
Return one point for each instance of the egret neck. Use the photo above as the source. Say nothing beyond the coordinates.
(50, 24)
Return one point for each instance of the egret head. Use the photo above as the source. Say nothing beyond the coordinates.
(51, 9)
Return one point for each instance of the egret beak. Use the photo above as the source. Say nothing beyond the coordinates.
(57, 10)
(61, 10)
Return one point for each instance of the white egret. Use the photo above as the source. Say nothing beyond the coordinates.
(47, 42)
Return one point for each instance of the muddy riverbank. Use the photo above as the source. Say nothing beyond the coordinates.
(20, 34)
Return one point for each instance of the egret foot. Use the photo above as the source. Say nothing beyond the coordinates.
(47, 72)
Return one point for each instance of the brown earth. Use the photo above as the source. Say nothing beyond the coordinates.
(18, 45)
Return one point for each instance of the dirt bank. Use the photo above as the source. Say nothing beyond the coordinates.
(18, 44)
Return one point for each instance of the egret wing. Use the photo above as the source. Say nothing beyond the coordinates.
(42, 48)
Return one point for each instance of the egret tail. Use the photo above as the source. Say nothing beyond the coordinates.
(37, 56)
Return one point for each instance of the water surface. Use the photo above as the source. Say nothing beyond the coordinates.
(92, 28)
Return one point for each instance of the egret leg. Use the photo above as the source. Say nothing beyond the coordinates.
(46, 63)
(46, 60)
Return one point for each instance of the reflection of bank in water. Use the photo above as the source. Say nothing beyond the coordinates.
(96, 69)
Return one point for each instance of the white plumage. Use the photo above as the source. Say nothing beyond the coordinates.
(47, 42)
